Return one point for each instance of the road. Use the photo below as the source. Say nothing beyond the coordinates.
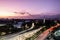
(45, 33)
(18, 35)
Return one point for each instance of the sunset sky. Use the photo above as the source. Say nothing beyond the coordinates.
(8, 7)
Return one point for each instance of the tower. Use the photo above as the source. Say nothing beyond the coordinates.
(44, 20)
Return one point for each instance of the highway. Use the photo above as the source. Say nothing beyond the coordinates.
(43, 35)
(18, 35)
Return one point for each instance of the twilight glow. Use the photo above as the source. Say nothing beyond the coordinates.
(8, 7)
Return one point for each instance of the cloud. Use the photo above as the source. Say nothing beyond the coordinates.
(22, 14)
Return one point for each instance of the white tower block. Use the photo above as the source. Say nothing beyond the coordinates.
(44, 20)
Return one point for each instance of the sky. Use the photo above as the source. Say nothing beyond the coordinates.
(48, 7)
